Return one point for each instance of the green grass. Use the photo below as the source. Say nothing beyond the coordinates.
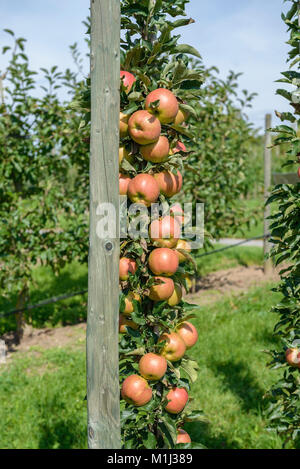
(233, 377)
(42, 391)
(233, 257)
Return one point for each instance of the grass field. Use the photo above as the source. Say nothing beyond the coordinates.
(42, 391)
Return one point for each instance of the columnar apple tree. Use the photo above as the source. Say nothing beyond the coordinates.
(285, 395)
(158, 91)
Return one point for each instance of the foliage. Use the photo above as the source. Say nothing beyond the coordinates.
(39, 151)
(222, 159)
(285, 403)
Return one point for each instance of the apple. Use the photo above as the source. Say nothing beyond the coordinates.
(165, 232)
(126, 265)
(143, 189)
(181, 117)
(189, 281)
(128, 306)
(152, 367)
(163, 261)
(178, 213)
(124, 180)
(162, 290)
(177, 398)
(168, 107)
(123, 153)
(179, 147)
(176, 297)
(136, 391)
(124, 322)
(156, 152)
(128, 79)
(124, 118)
(169, 184)
(144, 128)
(182, 437)
(174, 348)
(293, 357)
(186, 246)
(188, 333)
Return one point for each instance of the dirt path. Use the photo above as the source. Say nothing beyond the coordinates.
(209, 289)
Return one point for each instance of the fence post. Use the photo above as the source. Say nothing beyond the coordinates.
(103, 392)
(268, 266)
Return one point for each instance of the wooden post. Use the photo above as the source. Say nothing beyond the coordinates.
(267, 172)
(103, 298)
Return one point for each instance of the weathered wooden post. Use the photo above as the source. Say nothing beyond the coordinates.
(103, 298)
(267, 184)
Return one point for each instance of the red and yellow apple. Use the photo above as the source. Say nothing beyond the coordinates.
(168, 107)
(124, 322)
(174, 348)
(123, 154)
(128, 303)
(188, 333)
(292, 356)
(178, 213)
(184, 245)
(175, 299)
(124, 180)
(163, 261)
(124, 118)
(164, 232)
(181, 117)
(177, 398)
(126, 265)
(156, 152)
(152, 367)
(182, 437)
(136, 390)
(143, 189)
(128, 79)
(169, 184)
(162, 290)
(144, 128)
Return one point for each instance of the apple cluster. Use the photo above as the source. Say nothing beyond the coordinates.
(167, 250)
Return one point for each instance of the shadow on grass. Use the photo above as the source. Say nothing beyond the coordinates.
(239, 380)
(201, 433)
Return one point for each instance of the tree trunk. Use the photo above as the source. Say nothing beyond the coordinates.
(22, 298)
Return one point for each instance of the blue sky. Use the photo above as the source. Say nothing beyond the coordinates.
(242, 35)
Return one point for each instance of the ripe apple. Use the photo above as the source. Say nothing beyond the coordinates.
(128, 79)
(178, 213)
(123, 153)
(182, 437)
(293, 357)
(123, 322)
(144, 128)
(179, 147)
(163, 261)
(185, 245)
(188, 333)
(152, 367)
(136, 390)
(156, 152)
(165, 232)
(169, 183)
(124, 180)
(174, 348)
(143, 189)
(176, 297)
(126, 265)
(162, 290)
(128, 306)
(181, 117)
(168, 107)
(124, 118)
(178, 398)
